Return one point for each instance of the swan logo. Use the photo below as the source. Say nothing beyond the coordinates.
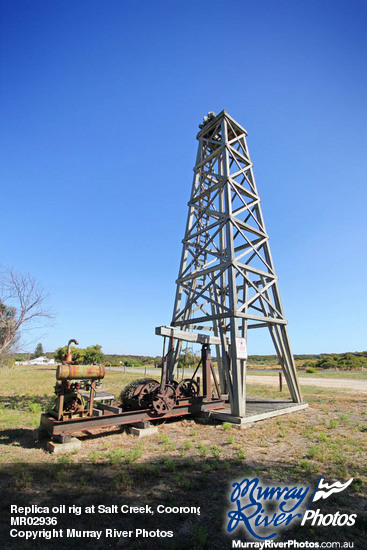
(324, 490)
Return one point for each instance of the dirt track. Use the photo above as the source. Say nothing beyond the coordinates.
(272, 380)
(341, 383)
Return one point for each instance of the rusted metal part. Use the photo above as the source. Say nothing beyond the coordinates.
(80, 372)
(150, 394)
(70, 380)
(160, 398)
(206, 362)
(191, 406)
(69, 356)
(138, 394)
(69, 401)
(74, 403)
(188, 388)
(133, 389)
(164, 375)
(164, 400)
(91, 397)
(216, 383)
(142, 400)
(144, 393)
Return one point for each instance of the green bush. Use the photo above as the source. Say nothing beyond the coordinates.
(311, 370)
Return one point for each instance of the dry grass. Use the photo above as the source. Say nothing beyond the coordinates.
(186, 463)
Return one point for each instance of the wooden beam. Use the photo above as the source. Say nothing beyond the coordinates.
(187, 336)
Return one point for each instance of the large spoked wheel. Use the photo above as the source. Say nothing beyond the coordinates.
(133, 389)
(146, 393)
(187, 388)
(136, 394)
(163, 402)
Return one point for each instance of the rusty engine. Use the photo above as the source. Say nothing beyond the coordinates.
(79, 407)
(71, 380)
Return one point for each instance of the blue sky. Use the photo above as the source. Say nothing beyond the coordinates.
(100, 106)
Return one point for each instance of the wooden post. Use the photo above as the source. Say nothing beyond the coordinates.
(206, 365)
(91, 397)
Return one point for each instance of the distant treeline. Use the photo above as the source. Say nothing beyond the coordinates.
(131, 360)
(335, 361)
(274, 359)
(340, 361)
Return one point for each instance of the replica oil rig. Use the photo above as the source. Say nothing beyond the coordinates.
(226, 287)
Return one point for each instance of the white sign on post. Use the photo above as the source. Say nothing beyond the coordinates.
(241, 348)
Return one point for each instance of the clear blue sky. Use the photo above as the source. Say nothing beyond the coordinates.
(100, 106)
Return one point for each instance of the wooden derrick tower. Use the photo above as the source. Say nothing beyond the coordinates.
(227, 285)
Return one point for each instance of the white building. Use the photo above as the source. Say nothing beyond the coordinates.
(41, 361)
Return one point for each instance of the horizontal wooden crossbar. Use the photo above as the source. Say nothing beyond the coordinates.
(186, 336)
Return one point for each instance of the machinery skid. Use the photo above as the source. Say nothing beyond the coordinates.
(80, 408)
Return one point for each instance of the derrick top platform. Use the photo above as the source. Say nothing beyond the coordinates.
(211, 123)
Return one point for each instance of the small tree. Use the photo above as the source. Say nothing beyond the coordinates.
(93, 354)
(77, 355)
(22, 306)
(38, 352)
(186, 359)
(81, 356)
(7, 322)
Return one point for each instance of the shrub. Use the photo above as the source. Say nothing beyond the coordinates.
(311, 370)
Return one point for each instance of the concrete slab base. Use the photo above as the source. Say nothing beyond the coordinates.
(142, 424)
(73, 445)
(143, 432)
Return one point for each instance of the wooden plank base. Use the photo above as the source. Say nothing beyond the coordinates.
(258, 409)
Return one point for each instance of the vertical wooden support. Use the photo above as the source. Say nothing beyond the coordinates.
(206, 366)
(60, 404)
(91, 397)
